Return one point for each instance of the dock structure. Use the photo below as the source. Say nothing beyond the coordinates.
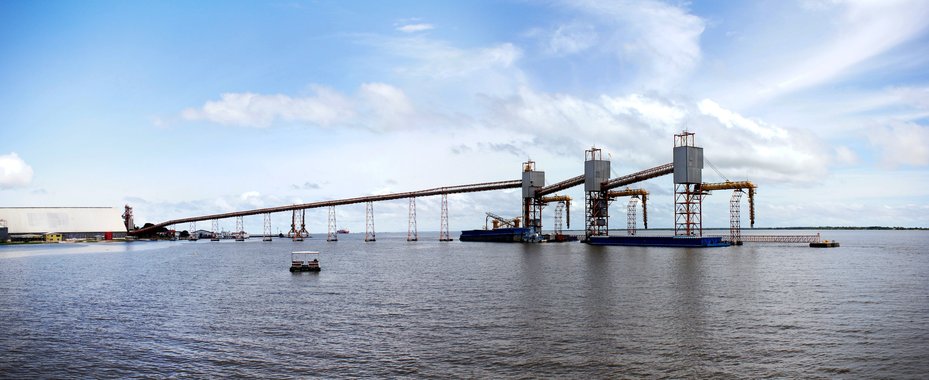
(599, 190)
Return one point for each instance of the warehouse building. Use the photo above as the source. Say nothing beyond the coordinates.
(69, 222)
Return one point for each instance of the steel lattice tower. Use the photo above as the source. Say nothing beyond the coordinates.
(559, 210)
(333, 232)
(215, 233)
(735, 220)
(411, 233)
(369, 222)
(443, 224)
(630, 215)
(267, 227)
(192, 232)
(239, 227)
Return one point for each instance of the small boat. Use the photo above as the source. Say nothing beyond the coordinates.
(342, 231)
(300, 261)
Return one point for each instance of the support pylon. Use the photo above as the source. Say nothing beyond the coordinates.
(688, 210)
(559, 210)
(303, 231)
(630, 215)
(293, 224)
(214, 236)
(443, 224)
(267, 229)
(735, 223)
(333, 232)
(369, 222)
(193, 235)
(411, 233)
(239, 233)
(294, 233)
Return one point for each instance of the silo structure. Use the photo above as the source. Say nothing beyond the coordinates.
(533, 180)
(596, 171)
(688, 174)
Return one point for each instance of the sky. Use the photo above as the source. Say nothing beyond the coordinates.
(189, 108)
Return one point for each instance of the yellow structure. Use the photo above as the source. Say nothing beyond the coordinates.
(736, 185)
(53, 238)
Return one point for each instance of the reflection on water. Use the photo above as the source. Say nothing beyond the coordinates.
(429, 309)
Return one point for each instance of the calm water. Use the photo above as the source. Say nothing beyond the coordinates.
(430, 309)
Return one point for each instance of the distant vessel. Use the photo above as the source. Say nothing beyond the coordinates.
(342, 231)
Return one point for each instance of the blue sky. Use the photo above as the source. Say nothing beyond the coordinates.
(189, 108)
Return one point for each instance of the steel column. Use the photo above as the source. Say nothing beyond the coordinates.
(369, 222)
(411, 232)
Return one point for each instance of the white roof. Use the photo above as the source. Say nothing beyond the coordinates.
(37, 220)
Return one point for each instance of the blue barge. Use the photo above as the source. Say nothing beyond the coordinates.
(659, 241)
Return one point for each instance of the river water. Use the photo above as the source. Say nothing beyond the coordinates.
(393, 308)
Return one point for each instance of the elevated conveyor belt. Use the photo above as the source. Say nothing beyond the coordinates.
(735, 185)
(643, 175)
(487, 186)
(611, 184)
(556, 187)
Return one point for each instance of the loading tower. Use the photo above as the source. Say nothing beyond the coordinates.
(533, 180)
(688, 174)
(596, 171)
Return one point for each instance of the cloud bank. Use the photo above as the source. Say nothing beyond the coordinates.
(14, 172)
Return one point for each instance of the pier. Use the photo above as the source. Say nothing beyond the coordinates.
(599, 191)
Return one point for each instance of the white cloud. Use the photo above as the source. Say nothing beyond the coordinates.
(864, 29)
(845, 156)
(916, 97)
(733, 120)
(571, 39)
(412, 28)
(387, 103)
(438, 60)
(662, 39)
(14, 172)
(327, 107)
(654, 111)
(375, 106)
(636, 129)
(902, 143)
(252, 199)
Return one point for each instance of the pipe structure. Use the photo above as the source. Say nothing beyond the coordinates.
(641, 193)
(736, 185)
(487, 186)
(560, 198)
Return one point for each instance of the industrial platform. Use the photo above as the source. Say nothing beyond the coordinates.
(499, 235)
(659, 241)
